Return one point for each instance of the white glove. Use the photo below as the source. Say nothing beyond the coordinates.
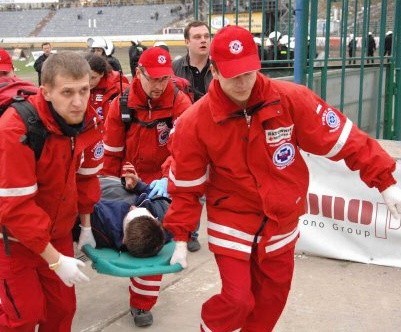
(86, 237)
(67, 270)
(180, 254)
(392, 198)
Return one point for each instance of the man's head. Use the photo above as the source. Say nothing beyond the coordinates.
(197, 38)
(6, 64)
(65, 84)
(143, 234)
(46, 48)
(154, 71)
(99, 68)
(235, 62)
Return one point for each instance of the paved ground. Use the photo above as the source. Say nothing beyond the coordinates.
(327, 295)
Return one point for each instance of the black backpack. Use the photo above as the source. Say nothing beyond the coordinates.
(36, 133)
(14, 92)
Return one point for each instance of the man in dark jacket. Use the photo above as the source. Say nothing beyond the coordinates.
(352, 48)
(388, 43)
(134, 52)
(194, 66)
(371, 47)
(47, 49)
(112, 215)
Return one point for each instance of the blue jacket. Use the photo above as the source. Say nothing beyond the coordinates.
(108, 215)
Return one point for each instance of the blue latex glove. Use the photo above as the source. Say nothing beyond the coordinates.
(158, 188)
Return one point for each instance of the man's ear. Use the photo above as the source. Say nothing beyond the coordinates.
(214, 72)
(45, 92)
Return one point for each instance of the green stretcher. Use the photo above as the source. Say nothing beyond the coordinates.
(122, 264)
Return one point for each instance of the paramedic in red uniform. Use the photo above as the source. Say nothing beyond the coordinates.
(154, 103)
(40, 200)
(239, 145)
(106, 84)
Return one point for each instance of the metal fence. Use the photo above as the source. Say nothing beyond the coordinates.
(340, 49)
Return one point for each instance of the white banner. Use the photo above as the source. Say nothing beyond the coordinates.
(346, 219)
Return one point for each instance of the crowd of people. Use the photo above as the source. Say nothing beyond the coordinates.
(137, 159)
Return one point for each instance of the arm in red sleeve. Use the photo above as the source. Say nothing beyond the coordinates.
(323, 130)
(187, 179)
(19, 213)
(114, 141)
(87, 181)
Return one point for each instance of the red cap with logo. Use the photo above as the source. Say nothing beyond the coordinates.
(157, 62)
(234, 51)
(6, 63)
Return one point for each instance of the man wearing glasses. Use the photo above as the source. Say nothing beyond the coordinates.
(136, 141)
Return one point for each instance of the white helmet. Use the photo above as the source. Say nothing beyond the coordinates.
(275, 34)
(135, 40)
(161, 44)
(284, 40)
(389, 32)
(257, 41)
(100, 42)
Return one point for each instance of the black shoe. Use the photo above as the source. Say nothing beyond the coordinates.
(193, 245)
(142, 317)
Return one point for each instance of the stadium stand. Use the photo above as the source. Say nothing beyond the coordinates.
(20, 23)
(110, 21)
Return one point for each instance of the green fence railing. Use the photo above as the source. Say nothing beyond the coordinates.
(362, 85)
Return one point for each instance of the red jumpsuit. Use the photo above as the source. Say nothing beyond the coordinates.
(145, 148)
(103, 94)
(255, 181)
(39, 203)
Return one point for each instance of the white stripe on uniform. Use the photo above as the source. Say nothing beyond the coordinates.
(341, 140)
(187, 183)
(15, 192)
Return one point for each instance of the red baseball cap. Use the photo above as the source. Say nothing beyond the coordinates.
(157, 62)
(6, 63)
(234, 51)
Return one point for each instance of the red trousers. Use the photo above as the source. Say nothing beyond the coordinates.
(31, 293)
(253, 294)
(144, 291)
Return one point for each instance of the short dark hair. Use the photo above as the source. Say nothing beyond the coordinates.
(45, 43)
(144, 237)
(194, 24)
(98, 63)
(68, 63)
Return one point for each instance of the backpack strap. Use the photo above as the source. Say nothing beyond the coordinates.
(36, 134)
(128, 115)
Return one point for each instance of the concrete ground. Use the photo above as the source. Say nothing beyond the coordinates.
(327, 295)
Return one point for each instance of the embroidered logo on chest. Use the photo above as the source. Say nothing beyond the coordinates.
(276, 135)
(284, 155)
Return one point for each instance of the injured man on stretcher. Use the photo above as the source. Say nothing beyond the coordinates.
(126, 220)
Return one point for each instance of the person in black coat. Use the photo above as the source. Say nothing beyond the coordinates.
(128, 220)
(371, 47)
(134, 52)
(388, 43)
(47, 49)
(352, 48)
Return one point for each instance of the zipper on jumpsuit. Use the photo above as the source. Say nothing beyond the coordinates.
(248, 119)
(149, 110)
